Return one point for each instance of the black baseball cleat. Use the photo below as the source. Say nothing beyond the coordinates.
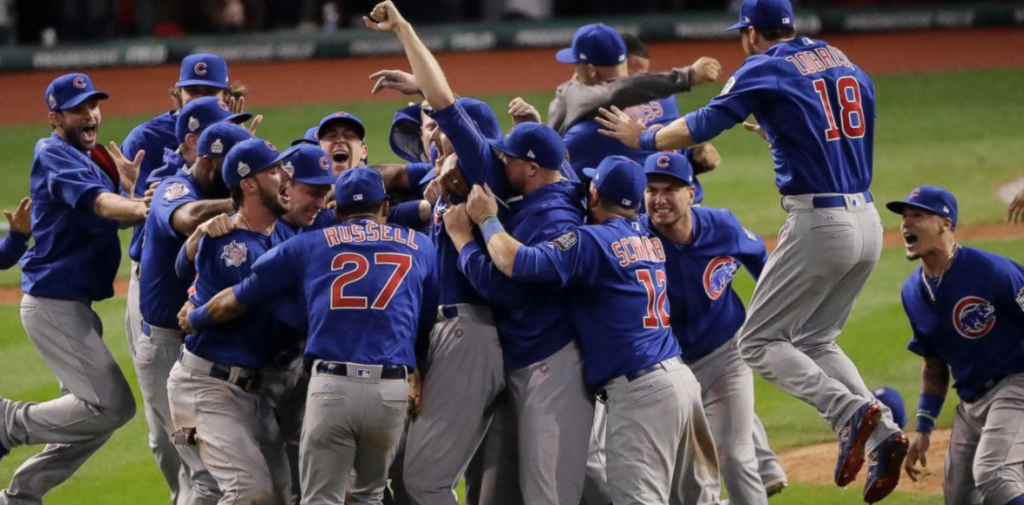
(852, 438)
(884, 465)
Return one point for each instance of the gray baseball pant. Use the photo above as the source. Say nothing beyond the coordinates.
(160, 444)
(353, 423)
(285, 388)
(461, 391)
(154, 357)
(727, 393)
(236, 433)
(595, 484)
(660, 449)
(801, 303)
(552, 405)
(985, 460)
(493, 473)
(768, 465)
(96, 398)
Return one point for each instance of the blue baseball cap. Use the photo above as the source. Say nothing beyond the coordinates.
(405, 137)
(359, 185)
(928, 198)
(308, 164)
(218, 139)
(670, 164)
(892, 399)
(341, 117)
(597, 44)
(620, 180)
(310, 137)
(203, 70)
(200, 113)
(533, 142)
(765, 14)
(70, 90)
(248, 158)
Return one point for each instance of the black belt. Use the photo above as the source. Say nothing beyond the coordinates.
(341, 370)
(602, 394)
(827, 202)
(222, 372)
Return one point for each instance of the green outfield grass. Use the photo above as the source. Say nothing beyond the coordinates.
(958, 130)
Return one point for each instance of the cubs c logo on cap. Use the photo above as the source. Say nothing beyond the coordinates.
(324, 164)
(340, 114)
(222, 105)
(270, 146)
(974, 317)
(662, 161)
(913, 193)
(200, 68)
(79, 82)
(718, 275)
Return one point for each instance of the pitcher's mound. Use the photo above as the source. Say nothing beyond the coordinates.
(817, 463)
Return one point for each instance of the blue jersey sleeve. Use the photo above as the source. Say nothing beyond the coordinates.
(273, 274)
(486, 278)
(12, 248)
(184, 268)
(70, 181)
(428, 312)
(919, 343)
(168, 198)
(752, 252)
(416, 172)
(560, 261)
(406, 214)
(476, 158)
(741, 95)
(1010, 296)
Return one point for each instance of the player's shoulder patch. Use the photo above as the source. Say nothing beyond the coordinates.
(750, 235)
(567, 241)
(175, 191)
(235, 253)
(1020, 298)
(728, 85)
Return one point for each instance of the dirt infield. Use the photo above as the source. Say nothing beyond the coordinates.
(816, 463)
(144, 90)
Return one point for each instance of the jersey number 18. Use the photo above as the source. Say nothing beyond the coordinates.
(851, 112)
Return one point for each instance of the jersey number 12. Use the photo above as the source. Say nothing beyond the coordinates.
(339, 300)
(657, 316)
(851, 112)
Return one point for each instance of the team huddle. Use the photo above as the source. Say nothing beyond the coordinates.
(546, 314)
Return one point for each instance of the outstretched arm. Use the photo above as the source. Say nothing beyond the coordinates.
(620, 126)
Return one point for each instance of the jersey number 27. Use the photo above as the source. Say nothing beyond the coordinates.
(851, 112)
(339, 300)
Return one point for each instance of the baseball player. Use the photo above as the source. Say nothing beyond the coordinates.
(377, 282)
(465, 381)
(180, 204)
(201, 75)
(817, 109)
(601, 80)
(214, 388)
(660, 448)
(310, 137)
(75, 217)
(704, 249)
(14, 245)
(965, 308)
(342, 136)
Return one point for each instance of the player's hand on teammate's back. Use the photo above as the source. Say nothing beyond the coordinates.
(384, 18)
(482, 203)
(705, 70)
(521, 111)
(705, 158)
(1015, 213)
(415, 394)
(402, 82)
(755, 128)
(619, 125)
(21, 220)
(127, 169)
(218, 226)
(458, 226)
(918, 451)
(183, 317)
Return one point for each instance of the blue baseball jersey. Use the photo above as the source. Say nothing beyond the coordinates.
(223, 262)
(479, 165)
(706, 311)
(370, 289)
(161, 291)
(975, 324)
(153, 136)
(587, 148)
(76, 252)
(817, 107)
(533, 320)
(618, 303)
(12, 248)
